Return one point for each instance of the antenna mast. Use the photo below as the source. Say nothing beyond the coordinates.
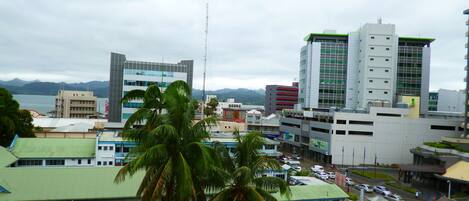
(205, 61)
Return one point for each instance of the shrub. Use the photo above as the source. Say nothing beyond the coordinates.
(371, 175)
(353, 197)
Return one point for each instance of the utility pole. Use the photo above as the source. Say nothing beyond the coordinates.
(342, 156)
(364, 155)
(205, 62)
(376, 158)
(353, 157)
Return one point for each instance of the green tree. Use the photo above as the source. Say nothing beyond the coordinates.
(177, 165)
(211, 107)
(245, 180)
(12, 119)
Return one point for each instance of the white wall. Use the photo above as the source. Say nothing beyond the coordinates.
(451, 100)
(107, 155)
(392, 138)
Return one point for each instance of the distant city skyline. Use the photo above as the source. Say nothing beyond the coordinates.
(251, 44)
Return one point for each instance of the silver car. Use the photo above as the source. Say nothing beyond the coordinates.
(367, 188)
(393, 197)
(381, 190)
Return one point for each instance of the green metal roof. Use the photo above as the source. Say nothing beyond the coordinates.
(311, 35)
(416, 38)
(314, 192)
(66, 183)
(6, 158)
(54, 148)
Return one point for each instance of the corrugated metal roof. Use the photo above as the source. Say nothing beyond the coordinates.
(314, 192)
(66, 183)
(6, 158)
(54, 148)
(458, 171)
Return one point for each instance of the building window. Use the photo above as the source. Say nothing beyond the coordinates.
(385, 81)
(118, 149)
(89, 161)
(387, 59)
(388, 115)
(372, 59)
(387, 48)
(126, 150)
(320, 130)
(297, 138)
(110, 162)
(99, 162)
(340, 121)
(29, 162)
(105, 148)
(372, 48)
(100, 148)
(372, 37)
(369, 123)
(370, 92)
(269, 146)
(385, 92)
(79, 161)
(371, 70)
(440, 127)
(111, 148)
(55, 162)
(360, 133)
(104, 163)
(386, 71)
(340, 132)
(388, 38)
(370, 81)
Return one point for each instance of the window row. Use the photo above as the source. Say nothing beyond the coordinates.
(145, 83)
(148, 73)
(344, 132)
(105, 148)
(104, 163)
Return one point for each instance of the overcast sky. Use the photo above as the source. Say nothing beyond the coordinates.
(251, 43)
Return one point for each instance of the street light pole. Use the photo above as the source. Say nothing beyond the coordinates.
(449, 189)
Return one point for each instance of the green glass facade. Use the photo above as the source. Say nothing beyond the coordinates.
(333, 71)
(409, 67)
(433, 101)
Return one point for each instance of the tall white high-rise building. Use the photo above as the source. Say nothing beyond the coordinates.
(372, 65)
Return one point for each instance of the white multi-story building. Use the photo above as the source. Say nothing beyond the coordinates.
(367, 66)
(353, 137)
(448, 100)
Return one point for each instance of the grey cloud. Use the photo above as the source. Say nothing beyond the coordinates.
(251, 43)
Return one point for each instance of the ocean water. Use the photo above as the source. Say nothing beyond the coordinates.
(44, 104)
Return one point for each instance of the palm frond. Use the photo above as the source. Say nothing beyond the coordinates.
(133, 95)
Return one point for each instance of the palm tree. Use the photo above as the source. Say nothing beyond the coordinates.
(245, 170)
(178, 165)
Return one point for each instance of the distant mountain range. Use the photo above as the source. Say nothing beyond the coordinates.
(100, 89)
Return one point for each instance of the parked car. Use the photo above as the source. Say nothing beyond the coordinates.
(349, 181)
(381, 190)
(296, 168)
(393, 197)
(365, 187)
(331, 175)
(317, 168)
(293, 162)
(321, 175)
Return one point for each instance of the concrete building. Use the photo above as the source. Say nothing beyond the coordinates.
(447, 100)
(128, 75)
(268, 126)
(372, 64)
(75, 104)
(354, 137)
(279, 97)
(53, 152)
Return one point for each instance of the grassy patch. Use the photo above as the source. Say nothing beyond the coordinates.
(302, 173)
(459, 195)
(371, 175)
(446, 145)
(353, 196)
(402, 187)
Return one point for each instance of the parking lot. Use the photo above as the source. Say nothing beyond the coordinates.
(306, 165)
